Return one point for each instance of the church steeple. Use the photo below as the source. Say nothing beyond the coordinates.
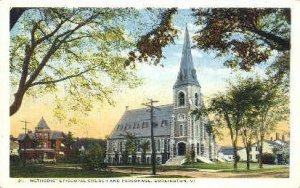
(187, 73)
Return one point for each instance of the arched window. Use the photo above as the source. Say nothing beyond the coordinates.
(181, 99)
(196, 99)
(181, 130)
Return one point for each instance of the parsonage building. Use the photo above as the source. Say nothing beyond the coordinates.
(177, 132)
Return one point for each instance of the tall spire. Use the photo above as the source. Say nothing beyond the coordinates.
(187, 73)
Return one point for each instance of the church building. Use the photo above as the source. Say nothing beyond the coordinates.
(177, 132)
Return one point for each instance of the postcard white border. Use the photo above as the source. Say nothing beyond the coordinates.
(293, 181)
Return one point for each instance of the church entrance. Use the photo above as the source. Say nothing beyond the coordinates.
(181, 148)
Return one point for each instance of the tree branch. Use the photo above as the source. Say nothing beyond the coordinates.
(283, 44)
(61, 79)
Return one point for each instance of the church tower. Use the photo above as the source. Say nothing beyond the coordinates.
(186, 132)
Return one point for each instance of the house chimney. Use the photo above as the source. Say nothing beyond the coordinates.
(126, 108)
(277, 136)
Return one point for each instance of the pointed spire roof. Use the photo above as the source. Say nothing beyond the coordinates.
(42, 125)
(187, 73)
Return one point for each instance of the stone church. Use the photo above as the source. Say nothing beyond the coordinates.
(176, 131)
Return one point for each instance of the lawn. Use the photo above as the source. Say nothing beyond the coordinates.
(66, 170)
(41, 171)
(220, 167)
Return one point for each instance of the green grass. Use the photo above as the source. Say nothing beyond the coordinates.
(220, 166)
(169, 176)
(40, 171)
(63, 170)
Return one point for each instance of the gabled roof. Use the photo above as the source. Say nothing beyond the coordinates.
(54, 135)
(22, 136)
(137, 122)
(187, 73)
(42, 125)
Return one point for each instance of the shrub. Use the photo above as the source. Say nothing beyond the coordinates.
(268, 158)
(93, 159)
(188, 158)
(14, 159)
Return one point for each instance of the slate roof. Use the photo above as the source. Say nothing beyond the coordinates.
(22, 136)
(138, 122)
(187, 72)
(42, 125)
(227, 150)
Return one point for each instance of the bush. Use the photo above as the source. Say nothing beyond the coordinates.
(268, 158)
(14, 159)
(93, 159)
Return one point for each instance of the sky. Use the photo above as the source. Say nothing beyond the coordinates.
(158, 84)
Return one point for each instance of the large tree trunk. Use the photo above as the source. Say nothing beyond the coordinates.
(248, 157)
(261, 151)
(235, 159)
(15, 14)
(15, 106)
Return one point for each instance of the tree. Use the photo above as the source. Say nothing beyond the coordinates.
(86, 43)
(69, 139)
(248, 133)
(145, 147)
(232, 109)
(94, 158)
(130, 147)
(15, 14)
(249, 121)
(247, 37)
(77, 49)
(271, 109)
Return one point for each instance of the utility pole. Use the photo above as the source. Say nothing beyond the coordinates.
(153, 154)
(25, 126)
(24, 142)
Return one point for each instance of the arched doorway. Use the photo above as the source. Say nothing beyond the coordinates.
(181, 148)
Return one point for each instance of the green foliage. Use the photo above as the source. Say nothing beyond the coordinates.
(14, 160)
(190, 157)
(69, 139)
(246, 37)
(149, 46)
(250, 107)
(268, 158)
(78, 51)
(94, 157)
(145, 148)
(130, 147)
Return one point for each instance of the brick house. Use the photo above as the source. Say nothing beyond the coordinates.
(42, 144)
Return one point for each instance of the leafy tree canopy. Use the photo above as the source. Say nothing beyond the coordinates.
(246, 37)
(81, 51)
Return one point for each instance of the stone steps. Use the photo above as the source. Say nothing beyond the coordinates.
(179, 160)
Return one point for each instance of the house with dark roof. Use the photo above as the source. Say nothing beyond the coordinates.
(176, 132)
(42, 144)
(276, 147)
